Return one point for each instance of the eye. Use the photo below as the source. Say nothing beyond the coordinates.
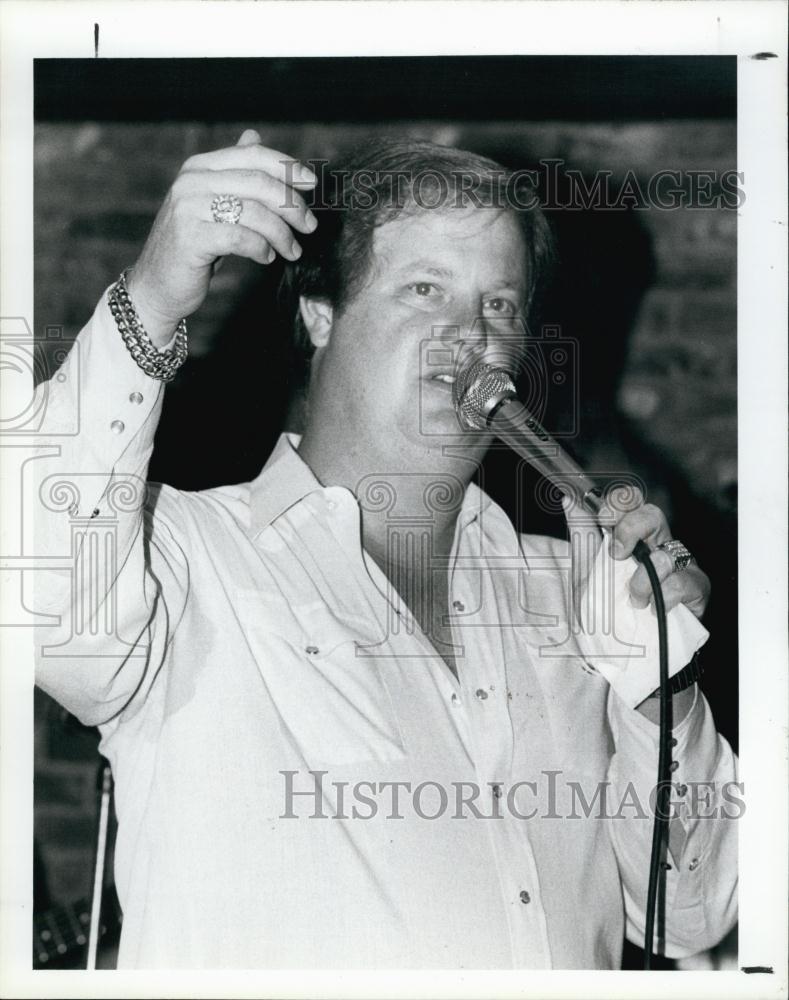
(501, 307)
(423, 289)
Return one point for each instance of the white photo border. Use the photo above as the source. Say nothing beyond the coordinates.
(189, 28)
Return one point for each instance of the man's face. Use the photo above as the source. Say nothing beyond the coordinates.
(455, 276)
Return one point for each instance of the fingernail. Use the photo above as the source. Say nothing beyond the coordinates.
(310, 220)
(306, 175)
(271, 256)
(295, 250)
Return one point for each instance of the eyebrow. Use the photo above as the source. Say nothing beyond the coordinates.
(430, 267)
(425, 264)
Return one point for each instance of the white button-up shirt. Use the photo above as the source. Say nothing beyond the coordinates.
(301, 781)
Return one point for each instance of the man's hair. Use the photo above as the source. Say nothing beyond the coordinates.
(374, 185)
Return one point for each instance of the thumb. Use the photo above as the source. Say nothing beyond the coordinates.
(249, 137)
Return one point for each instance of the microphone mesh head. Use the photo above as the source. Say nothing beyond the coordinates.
(478, 389)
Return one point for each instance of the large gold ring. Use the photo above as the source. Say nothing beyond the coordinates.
(226, 208)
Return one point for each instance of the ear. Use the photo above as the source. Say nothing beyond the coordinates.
(317, 316)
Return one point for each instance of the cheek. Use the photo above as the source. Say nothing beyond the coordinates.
(378, 347)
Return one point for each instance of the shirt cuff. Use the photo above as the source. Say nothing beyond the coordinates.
(101, 413)
(621, 641)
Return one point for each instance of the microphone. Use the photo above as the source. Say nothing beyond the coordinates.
(485, 399)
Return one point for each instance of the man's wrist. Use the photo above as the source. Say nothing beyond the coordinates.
(159, 364)
(683, 692)
(683, 679)
(681, 704)
(160, 329)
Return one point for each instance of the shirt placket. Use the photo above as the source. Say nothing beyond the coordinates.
(484, 700)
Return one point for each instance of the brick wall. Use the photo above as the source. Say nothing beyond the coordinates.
(649, 294)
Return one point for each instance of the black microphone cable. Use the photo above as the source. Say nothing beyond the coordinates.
(662, 796)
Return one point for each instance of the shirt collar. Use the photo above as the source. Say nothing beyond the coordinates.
(286, 479)
(475, 502)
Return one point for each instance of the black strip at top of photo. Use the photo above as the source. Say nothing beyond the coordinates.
(485, 88)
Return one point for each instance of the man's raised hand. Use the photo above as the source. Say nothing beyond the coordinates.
(170, 280)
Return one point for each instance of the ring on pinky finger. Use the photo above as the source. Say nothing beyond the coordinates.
(680, 556)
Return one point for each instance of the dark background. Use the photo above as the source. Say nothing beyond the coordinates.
(646, 297)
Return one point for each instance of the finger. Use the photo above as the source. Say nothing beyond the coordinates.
(271, 227)
(254, 156)
(619, 500)
(690, 587)
(222, 239)
(249, 185)
(259, 219)
(646, 523)
(249, 137)
(640, 587)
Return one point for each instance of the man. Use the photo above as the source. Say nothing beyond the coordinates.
(346, 707)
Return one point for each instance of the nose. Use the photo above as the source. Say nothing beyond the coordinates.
(471, 332)
(493, 340)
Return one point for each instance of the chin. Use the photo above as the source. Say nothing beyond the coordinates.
(439, 436)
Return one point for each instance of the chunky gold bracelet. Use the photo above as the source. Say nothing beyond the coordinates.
(158, 364)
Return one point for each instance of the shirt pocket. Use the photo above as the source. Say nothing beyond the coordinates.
(329, 694)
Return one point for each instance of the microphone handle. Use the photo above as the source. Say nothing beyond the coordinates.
(512, 423)
(516, 427)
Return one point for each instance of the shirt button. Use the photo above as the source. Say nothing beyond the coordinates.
(525, 897)
(458, 606)
(61, 377)
(96, 512)
(117, 427)
(312, 650)
(481, 693)
(673, 765)
(73, 510)
(454, 699)
(497, 791)
(682, 789)
(694, 864)
(136, 397)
